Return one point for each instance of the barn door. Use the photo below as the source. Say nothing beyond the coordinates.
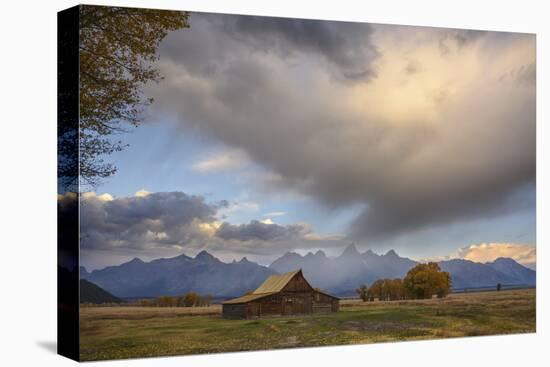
(287, 306)
(304, 303)
(254, 310)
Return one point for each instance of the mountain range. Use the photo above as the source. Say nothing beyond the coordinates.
(344, 273)
(206, 274)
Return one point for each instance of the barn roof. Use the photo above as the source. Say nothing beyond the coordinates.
(273, 284)
(276, 283)
(326, 294)
(247, 298)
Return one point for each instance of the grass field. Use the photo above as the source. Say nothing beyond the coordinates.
(130, 332)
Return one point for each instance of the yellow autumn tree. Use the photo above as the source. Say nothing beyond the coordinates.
(427, 280)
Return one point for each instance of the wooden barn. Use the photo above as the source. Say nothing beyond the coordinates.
(284, 294)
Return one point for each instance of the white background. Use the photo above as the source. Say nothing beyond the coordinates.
(28, 182)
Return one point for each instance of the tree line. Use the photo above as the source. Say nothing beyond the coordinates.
(421, 282)
(190, 299)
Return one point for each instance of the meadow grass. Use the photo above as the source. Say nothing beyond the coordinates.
(132, 332)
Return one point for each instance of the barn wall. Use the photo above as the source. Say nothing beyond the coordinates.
(296, 303)
(270, 305)
(253, 309)
(323, 303)
(297, 284)
(234, 311)
(297, 298)
(322, 308)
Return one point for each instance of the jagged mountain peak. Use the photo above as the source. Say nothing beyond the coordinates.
(183, 257)
(204, 255)
(135, 260)
(350, 250)
(391, 253)
(369, 252)
(314, 256)
(291, 255)
(320, 253)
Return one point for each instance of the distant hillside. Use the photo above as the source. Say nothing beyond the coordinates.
(91, 293)
(510, 267)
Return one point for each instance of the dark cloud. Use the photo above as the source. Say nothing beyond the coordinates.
(257, 230)
(454, 41)
(524, 74)
(155, 220)
(410, 214)
(216, 38)
(163, 224)
(345, 44)
(466, 36)
(458, 38)
(465, 159)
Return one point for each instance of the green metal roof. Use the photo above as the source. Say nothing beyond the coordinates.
(275, 283)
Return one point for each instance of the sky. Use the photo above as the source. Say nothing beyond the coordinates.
(269, 135)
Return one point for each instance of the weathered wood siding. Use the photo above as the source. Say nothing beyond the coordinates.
(298, 284)
(234, 311)
(270, 305)
(296, 298)
(324, 303)
(296, 303)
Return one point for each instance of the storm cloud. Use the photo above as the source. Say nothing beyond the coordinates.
(152, 225)
(344, 44)
(162, 219)
(345, 48)
(452, 141)
(257, 230)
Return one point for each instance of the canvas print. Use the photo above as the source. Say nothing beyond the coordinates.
(236, 182)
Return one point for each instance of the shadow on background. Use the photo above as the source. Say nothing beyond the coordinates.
(48, 345)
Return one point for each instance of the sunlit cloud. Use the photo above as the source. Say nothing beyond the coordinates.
(489, 252)
(434, 126)
(161, 224)
(142, 193)
(93, 195)
(486, 252)
(420, 128)
(222, 161)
